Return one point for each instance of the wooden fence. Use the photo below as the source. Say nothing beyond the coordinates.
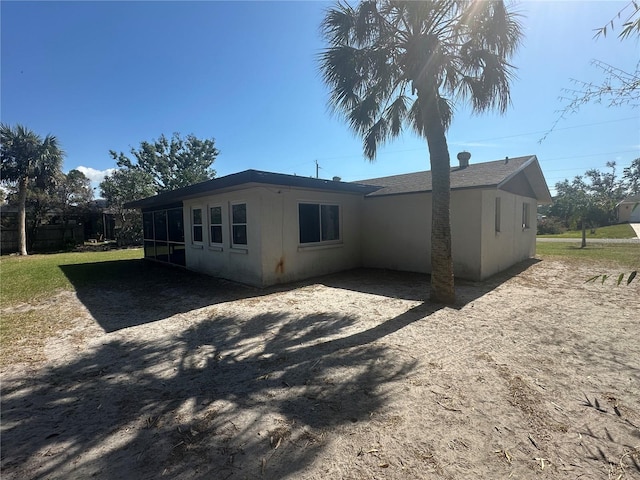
(48, 238)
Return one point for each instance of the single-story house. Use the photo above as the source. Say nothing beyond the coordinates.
(264, 228)
(629, 210)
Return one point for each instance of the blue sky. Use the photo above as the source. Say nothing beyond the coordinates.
(107, 75)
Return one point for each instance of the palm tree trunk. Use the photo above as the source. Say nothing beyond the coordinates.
(442, 282)
(22, 215)
(584, 234)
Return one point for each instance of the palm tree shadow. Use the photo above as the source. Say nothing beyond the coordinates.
(230, 396)
(125, 293)
(199, 399)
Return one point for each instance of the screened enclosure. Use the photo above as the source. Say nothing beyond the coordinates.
(164, 235)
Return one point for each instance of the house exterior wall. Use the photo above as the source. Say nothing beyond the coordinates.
(241, 263)
(284, 258)
(513, 242)
(628, 212)
(396, 232)
(392, 232)
(273, 253)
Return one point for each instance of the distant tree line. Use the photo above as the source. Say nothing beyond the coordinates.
(589, 200)
(32, 180)
(154, 167)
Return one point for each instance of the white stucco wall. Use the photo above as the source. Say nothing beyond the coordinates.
(396, 232)
(284, 258)
(273, 253)
(392, 232)
(239, 264)
(512, 243)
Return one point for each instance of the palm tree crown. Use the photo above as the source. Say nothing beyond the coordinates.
(29, 161)
(394, 62)
(25, 154)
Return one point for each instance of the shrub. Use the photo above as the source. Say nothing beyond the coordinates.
(550, 226)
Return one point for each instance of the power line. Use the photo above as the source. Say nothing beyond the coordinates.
(584, 156)
(498, 138)
(558, 129)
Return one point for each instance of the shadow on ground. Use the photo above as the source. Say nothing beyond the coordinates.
(229, 397)
(141, 292)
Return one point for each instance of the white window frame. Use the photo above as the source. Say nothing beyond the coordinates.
(320, 205)
(211, 225)
(526, 216)
(193, 225)
(241, 246)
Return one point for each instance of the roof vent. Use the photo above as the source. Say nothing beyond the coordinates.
(506, 160)
(463, 158)
(337, 179)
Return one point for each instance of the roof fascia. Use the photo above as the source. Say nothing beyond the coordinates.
(522, 167)
(489, 186)
(536, 180)
(250, 185)
(248, 179)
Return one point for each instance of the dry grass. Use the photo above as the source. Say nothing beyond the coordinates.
(25, 328)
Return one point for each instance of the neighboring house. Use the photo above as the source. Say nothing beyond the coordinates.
(629, 210)
(264, 228)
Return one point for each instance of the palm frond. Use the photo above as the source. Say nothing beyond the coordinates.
(487, 85)
(437, 48)
(366, 23)
(488, 25)
(338, 24)
(417, 117)
(341, 69)
(446, 112)
(376, 135)
(421, 111)
(396, 114)
(24, 154)
(363, 115)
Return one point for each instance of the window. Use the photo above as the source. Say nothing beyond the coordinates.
(526, 222)
(215, 225)
(498, 214)
(196, 224)
(319, 223)
(239, 224)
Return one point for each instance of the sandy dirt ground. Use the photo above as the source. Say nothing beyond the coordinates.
(534, 374)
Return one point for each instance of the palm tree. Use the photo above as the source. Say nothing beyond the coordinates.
(395, 63)
(27, 159)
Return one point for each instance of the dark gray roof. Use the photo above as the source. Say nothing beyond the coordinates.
(632, 199)
(248, 177)
(488, 174)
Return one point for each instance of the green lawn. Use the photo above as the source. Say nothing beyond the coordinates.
(31, 278)
(623, 230)
(623, 255)
(35, 280)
